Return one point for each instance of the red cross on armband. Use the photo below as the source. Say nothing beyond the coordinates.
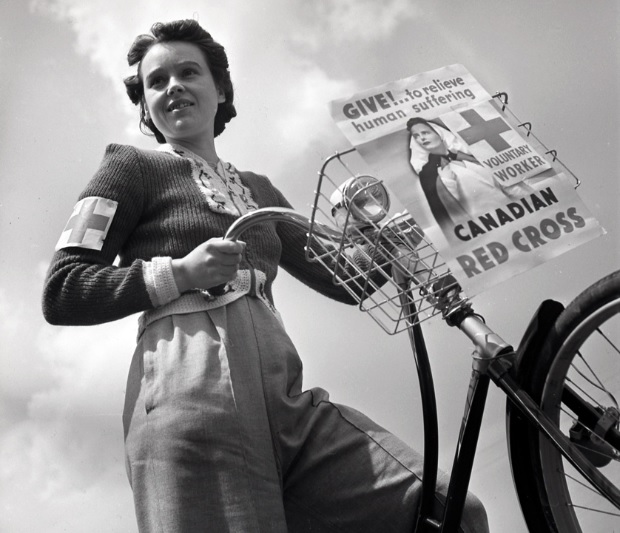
(88, 224)
(484, 130)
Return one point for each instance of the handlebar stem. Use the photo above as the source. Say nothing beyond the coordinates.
(488, 343)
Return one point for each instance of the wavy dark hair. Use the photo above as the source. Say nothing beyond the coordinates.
(188, 31)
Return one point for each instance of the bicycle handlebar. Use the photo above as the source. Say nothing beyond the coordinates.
(278, 214)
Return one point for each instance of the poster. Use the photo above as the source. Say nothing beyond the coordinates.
(488, 195)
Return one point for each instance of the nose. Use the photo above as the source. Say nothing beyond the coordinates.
(174, 87)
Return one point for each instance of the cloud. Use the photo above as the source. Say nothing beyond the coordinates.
(62, 444)
(356, 20)
(105, 506)
(289, 116)
(101, 32)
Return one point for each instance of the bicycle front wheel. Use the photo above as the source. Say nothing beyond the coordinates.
(576, 379)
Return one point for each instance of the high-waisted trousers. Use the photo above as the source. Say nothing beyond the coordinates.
(220, 437)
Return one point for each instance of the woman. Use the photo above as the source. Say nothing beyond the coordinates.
(219, 435)
(456, 186)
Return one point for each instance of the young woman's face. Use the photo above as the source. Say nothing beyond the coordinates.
(427, 138)
(179, 92)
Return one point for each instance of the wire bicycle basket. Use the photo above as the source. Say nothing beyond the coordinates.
(380, 255)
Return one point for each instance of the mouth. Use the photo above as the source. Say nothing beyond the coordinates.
(176, 106)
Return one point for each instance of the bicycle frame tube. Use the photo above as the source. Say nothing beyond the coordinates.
(465, 451)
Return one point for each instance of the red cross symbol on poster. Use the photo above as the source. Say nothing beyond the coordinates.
(497, 146)
(481, 129)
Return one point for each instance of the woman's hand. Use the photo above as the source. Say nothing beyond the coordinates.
(212, 263)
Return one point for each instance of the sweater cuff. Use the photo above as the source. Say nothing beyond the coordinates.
(159, 281)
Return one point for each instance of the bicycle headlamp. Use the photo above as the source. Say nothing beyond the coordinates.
(364, 197)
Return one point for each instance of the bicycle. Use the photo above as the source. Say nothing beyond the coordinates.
(563, 420)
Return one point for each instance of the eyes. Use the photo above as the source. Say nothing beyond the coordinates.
(155, 81)
(422, 133)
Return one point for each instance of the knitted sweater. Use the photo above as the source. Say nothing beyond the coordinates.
(162, 213)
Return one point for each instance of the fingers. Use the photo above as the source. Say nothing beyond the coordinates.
(212, 263)
(222, 260)
(225, 246)
(224, 252)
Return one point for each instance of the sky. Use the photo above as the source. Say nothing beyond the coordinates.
(62, 101)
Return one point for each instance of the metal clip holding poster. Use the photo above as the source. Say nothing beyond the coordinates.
(527, 127)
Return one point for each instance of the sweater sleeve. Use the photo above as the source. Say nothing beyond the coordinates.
(313, 274)
(83, 285)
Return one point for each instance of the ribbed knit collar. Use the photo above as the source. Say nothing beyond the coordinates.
(181, 151)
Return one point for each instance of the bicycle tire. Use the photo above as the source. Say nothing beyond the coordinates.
(548, 487)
